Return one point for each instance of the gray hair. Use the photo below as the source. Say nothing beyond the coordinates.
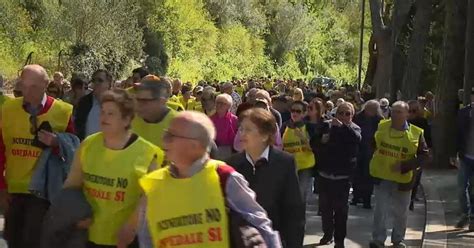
(401, 104)
(373, 103)
(200, 125)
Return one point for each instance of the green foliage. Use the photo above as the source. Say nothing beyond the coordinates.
(189, 39)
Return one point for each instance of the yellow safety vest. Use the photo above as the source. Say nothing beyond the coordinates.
(111, 183)
(239, 90)
(186, 212)
(268, 85)
(21, 156)
(394, 146)
(293, 144)
(153, 132)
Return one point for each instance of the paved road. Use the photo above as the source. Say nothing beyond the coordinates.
(448, 193)
(359, 226)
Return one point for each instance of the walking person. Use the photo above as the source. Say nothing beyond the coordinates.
(187, 203)
(368, 120)
(400, 148)
(22, 141)
(107, 167)
(337, 155)
(465, 150)
(271, 174)
(296, 140)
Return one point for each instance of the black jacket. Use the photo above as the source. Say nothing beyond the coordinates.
(338, 156)
(81, 112)
(276, 184)
(463, 129)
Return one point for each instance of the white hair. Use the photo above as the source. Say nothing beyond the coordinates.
(225, 97)
(373, 103)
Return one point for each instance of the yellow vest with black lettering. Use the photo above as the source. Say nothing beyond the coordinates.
(21, 156)
(111, 183)
(292, 144)
(186, 212)
(153, 132)
(394, 146)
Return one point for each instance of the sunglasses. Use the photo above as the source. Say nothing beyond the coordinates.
(347, 114)
(298, 111)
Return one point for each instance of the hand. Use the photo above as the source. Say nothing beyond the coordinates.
(336, 122)
(84, 224)
(454, 161)
(252, 237)
(325, 138)
(48, 138)
(126, 236)
(397, 167)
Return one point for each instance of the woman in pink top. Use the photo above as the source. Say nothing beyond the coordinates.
(226, 125)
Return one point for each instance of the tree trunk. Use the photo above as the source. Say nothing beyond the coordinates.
(411, 79)
(399, 20)
(469, 59)
(382, 37)
(450, 80)
(369, 75)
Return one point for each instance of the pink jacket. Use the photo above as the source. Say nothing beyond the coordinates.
(226, 128)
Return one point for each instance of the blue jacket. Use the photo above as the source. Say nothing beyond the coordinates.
(51, 170)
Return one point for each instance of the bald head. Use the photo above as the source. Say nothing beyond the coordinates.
(34, 80)
(196, 125)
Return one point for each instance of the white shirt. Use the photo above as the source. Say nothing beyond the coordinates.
(264, 155)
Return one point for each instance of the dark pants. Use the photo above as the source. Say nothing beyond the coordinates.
(362, 181)
(417, 175)
(134, 244)
(333, 196)
(23, 220)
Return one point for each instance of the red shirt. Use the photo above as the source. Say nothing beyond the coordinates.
(46, 107)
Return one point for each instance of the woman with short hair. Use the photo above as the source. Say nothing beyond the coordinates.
(226, 125)
(107, 167)
(271, 174)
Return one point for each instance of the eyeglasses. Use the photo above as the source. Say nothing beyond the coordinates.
(298, 111)
(344, 113)
(221, 103)
(167, 135)
(98, 80)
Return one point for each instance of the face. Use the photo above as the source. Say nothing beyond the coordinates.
(414, 111)
(111, 120)
(32, 86)
(178, 145)
(222, 106)
(312, 111)
(147, 104)
(100, 84)
(176, 86)
(58, 78)
(250, 136)
(53, 92)
(208, 101)
(399, 114)
(297, 112)
(344, 114)
(297, 97)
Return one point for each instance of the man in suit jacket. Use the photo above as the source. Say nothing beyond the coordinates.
(87, 112)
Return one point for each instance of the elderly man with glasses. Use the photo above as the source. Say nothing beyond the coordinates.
(187, 202)
(21, 142)
(400, 148)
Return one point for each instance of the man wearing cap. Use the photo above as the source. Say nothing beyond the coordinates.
(154, 116)
(87, 112)
(25, 124)
(465, 150)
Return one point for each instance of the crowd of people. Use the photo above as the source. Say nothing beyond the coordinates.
(154, 162)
